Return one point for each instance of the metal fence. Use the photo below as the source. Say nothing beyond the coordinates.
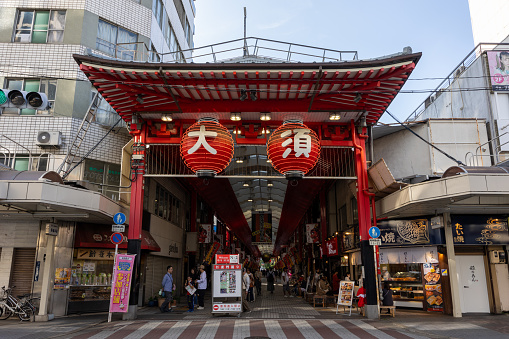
(334, 163)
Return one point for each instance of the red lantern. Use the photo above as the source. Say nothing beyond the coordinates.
(293, 149)
(206, 147)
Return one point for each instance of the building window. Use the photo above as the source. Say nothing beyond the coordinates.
(40, 27)
(116, 41)
(49, 87)
(167, 206)
(106, 175)
(154, 56)
(159, 12)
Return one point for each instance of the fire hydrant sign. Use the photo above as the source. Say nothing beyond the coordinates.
(121, 286)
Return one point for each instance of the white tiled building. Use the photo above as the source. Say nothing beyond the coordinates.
(37, 41)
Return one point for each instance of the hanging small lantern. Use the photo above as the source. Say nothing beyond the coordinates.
(206, 147)
(293, 149)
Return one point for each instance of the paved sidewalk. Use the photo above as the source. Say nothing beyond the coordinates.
(272, 316)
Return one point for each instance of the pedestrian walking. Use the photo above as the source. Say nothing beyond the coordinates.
(285, 280)
(258, 282)
(202, 286)
(270, 281)
(250, 296)
(168, 288)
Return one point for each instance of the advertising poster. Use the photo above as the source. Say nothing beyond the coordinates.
(62, 278)
(498, 63)
(433, 288)
(227, 280)
(345, 295)
(313, 233)
(261, 229)
(205, 233)
(121, 286)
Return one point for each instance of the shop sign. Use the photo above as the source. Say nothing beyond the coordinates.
(313, 233)
(121, 287)
(227, 259)
(479, 230)
(261, 229)
(95, 253)
(404, 232)
(173, 248)
(331, 247)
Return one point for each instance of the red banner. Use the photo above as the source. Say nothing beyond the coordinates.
(331, 247)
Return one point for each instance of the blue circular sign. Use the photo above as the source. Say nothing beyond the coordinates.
(119, 218)
(374, 232)
(117, 238)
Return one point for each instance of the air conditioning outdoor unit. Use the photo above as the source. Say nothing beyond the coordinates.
(49, 138)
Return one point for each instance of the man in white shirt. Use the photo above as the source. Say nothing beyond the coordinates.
(285, 280)
(202, 286)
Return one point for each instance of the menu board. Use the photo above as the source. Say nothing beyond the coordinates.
(433, 288)
(345, 295)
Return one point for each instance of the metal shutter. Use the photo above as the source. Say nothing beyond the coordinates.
(22, 272)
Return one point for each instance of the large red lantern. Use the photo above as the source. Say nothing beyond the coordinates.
(293, 149)
(206, 147)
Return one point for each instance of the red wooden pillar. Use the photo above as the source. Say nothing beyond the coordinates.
(136, 212)
(363, 208)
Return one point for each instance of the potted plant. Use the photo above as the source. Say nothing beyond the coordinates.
(152, 301)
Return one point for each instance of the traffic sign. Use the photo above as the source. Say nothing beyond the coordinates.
(374, 232)
(117, 238)
(119, 218)
(118, 228)
(375, 242)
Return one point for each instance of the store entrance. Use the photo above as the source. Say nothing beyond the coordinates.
(472, 278)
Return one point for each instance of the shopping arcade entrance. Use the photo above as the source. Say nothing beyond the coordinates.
(356, 92)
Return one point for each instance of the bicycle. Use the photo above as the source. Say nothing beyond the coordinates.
(10, 305)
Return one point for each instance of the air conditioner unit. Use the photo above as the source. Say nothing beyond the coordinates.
(49, 138)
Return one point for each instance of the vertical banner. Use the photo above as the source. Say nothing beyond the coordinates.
(205, 234)
(121, 286)
(212, 252)
(261, 227)
(313, 233)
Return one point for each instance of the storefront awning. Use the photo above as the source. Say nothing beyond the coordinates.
(98, 236)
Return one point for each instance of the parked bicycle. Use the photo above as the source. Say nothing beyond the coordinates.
(10, 305)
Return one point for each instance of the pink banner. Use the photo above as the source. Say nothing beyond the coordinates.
(121, 286)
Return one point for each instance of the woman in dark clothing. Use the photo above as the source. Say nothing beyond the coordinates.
(387, 296)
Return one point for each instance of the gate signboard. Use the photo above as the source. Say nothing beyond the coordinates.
(227, 284)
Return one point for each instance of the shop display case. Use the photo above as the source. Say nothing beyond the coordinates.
(93, 298)
(405, 281)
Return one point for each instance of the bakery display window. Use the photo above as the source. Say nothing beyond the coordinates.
(405, 281)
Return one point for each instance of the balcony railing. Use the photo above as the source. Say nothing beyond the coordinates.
(249, 49)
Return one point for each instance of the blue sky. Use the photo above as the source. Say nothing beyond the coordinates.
(441, 30)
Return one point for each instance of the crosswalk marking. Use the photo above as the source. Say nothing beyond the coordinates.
(176, 330)
(241, 329)
(145, 329)
(209, 330)
(371, 330)
(339, 330)
(274, 330)
(307, 330)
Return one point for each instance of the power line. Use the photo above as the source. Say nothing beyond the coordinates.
(418, 136)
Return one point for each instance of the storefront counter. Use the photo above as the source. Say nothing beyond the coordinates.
(88, 298)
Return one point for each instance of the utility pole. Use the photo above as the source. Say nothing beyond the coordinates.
(246, 52)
